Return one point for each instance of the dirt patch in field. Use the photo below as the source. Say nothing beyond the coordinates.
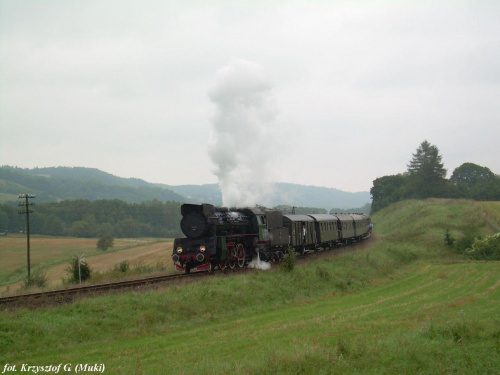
(137, 251)
(148, 255)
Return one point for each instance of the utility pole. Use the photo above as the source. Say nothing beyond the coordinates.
(27, 211)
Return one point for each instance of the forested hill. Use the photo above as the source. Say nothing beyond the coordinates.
(62, 183)
(65, 183)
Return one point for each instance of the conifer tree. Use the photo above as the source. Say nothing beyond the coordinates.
(426, 173)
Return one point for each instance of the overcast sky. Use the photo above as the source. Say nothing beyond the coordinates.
(338, 93)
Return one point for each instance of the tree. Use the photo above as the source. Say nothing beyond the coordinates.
(426, 173)
(80, 229)
(104, 229)
(476, 182)
(470, 174)
(387, 190)
(128, 228)
(52, 225)
(4, 222)
(105, 242)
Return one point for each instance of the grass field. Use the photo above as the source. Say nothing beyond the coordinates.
(51, 255)
(407, 304)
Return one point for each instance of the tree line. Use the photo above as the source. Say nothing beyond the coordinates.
(426, 178)
(90, 219)
(114, 218)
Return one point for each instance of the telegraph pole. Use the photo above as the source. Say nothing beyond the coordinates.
(27, 211)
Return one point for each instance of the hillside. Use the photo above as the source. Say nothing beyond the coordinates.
(61, 183)
(284, 194)
(401, 303)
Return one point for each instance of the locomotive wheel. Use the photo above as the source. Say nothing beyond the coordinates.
(240, 254)
(233, 257)
(222, 265)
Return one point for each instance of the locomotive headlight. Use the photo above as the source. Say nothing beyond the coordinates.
(202, 248)
(179, 249)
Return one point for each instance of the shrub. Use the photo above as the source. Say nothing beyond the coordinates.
(288, 263)
(123, 267)
(487, 249)
(38, 279)
(465, 242)
(78, 271)
(105, 242)
(143, 268)
(449, 240)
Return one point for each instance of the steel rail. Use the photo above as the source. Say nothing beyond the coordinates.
(69, 292)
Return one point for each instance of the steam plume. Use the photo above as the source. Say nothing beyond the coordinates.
(242, 139)
(259, 264)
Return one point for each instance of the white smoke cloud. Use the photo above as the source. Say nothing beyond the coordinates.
(243, 145)
(259, 264)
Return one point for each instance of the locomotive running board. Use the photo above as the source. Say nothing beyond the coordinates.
(203, 267)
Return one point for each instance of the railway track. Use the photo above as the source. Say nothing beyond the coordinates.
(68, 294)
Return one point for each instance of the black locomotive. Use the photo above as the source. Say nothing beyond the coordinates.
(222, 237)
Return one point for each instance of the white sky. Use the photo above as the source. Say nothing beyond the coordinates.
(123, 86)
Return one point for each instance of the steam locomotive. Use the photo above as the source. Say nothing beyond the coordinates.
(221, 237)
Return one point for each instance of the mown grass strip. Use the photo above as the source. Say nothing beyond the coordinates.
(343, 331)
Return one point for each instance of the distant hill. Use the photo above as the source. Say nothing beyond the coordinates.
(314, 196)
(60, 183)
(284, 194)
(208, 193)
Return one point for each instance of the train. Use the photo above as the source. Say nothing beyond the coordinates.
(220, 237)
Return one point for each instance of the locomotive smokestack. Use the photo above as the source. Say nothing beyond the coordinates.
(241, 143)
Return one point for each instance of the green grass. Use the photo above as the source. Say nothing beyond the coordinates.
(406, 304)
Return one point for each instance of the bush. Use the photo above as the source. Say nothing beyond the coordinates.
(123, 267)
(487, 249)
(78, 273)
(465, 242)
(288, 263)
(38, 279)
(449, 240)
(105, 242)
